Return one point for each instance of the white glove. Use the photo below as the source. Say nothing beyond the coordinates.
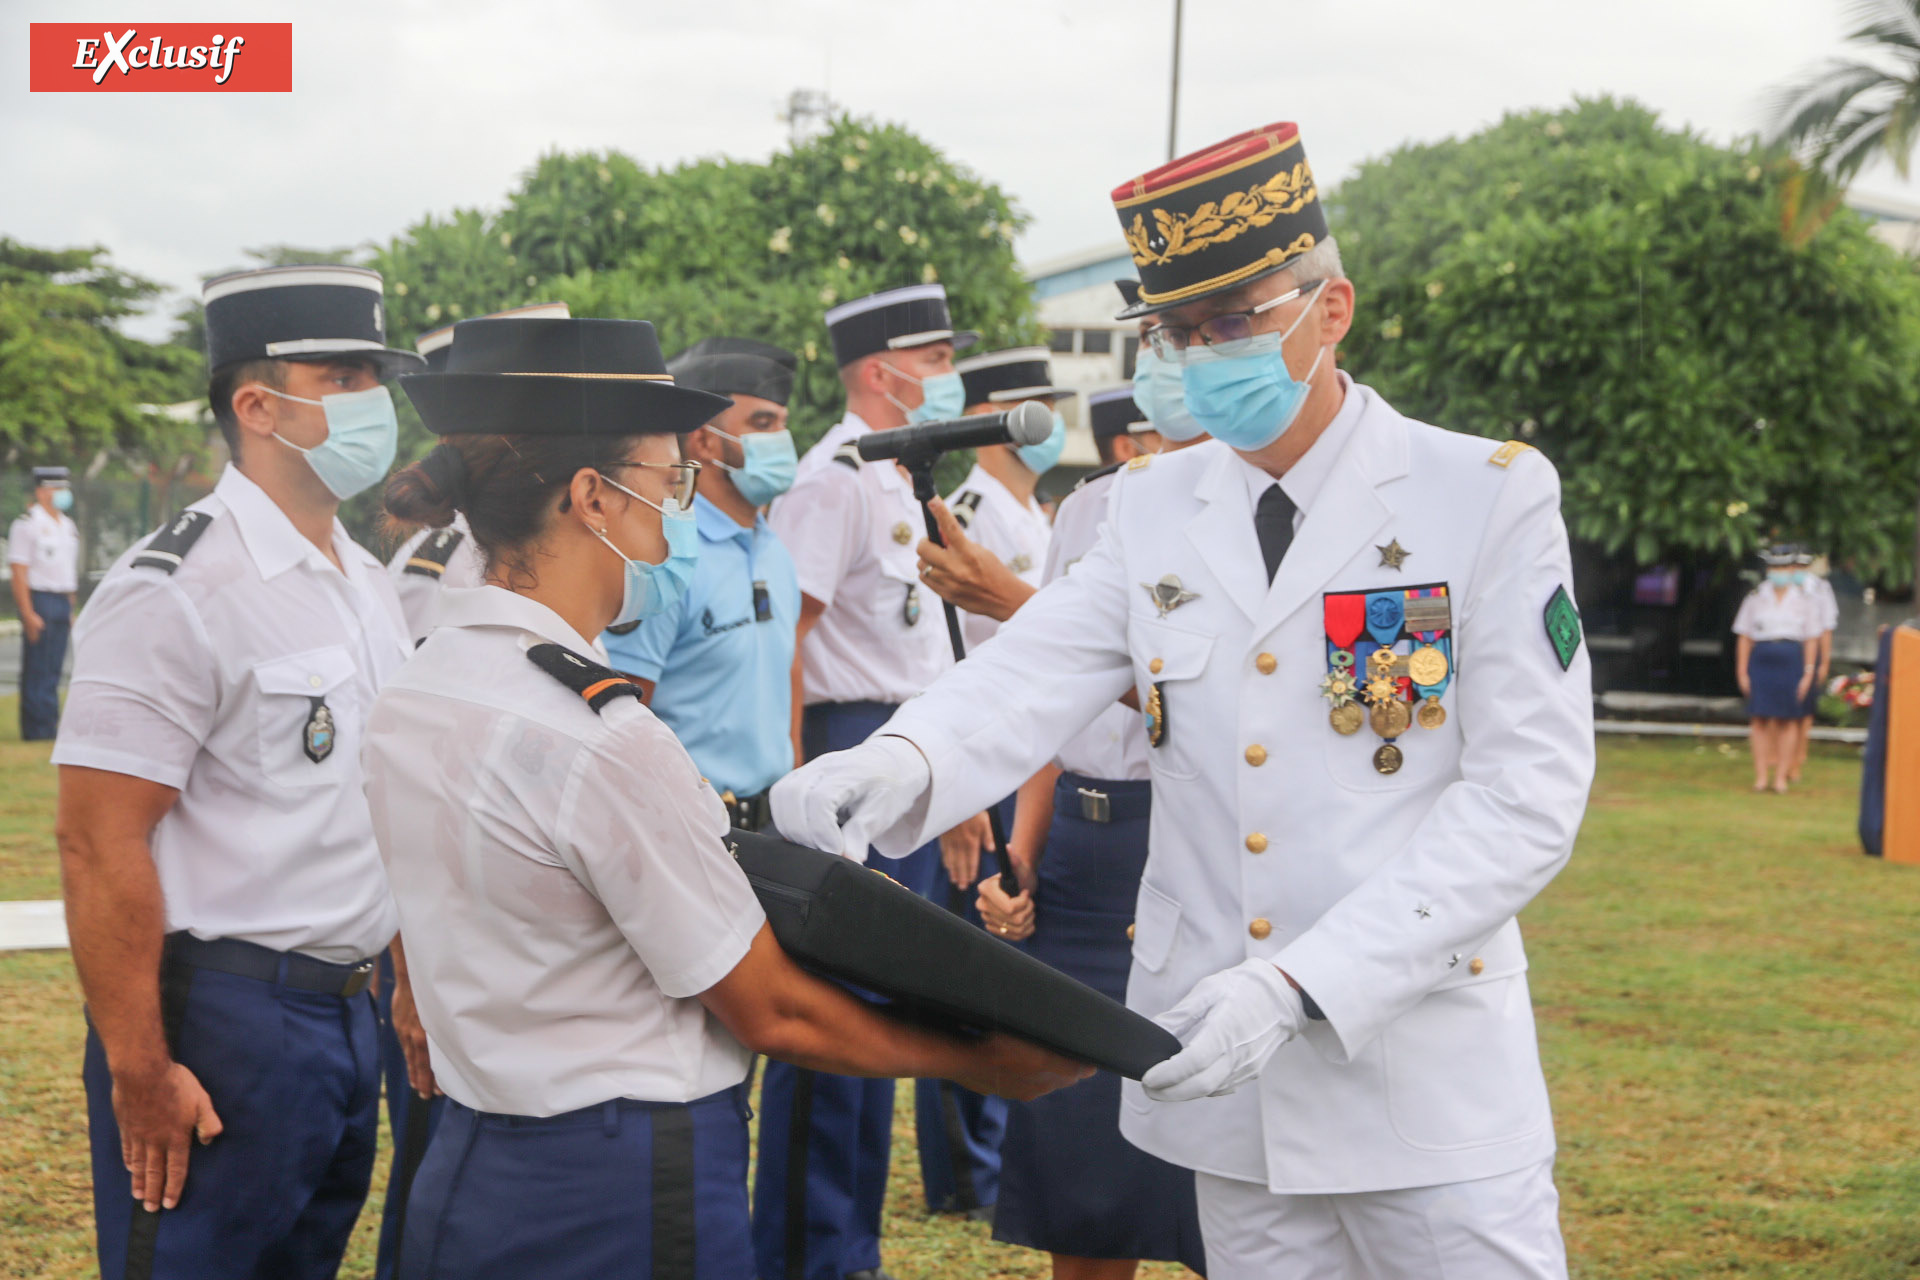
(840, 801)
(1230, 1023)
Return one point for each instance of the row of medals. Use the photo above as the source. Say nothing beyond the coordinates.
(1379, 690)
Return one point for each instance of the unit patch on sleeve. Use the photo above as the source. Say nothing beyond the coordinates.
(1563, 627)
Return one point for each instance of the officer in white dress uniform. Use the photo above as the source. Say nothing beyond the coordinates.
(43, 557)
(593, 967)
(870, 638)
(434, 558)
(224, 894)
(1344, 826)
(995, 504)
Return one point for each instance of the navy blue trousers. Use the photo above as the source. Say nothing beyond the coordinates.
(401, 1105)
(635, 1190)
(1070, 1183)
(40, 663)
(294, 1077)
(825, 1140)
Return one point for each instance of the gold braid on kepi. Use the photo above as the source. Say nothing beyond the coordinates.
(1219, 217)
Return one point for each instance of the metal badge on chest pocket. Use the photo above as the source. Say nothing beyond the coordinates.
(1171, 658)
(301, 705)
(1389, 661)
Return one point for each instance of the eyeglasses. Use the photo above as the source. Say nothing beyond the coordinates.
(686, 478)
(1226, 333)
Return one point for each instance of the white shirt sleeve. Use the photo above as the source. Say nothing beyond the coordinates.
(647, 836)
(821, 521)
(1743, 621)
(145, 685)
(20, 542)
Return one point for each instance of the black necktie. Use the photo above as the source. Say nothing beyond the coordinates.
(1273, 522)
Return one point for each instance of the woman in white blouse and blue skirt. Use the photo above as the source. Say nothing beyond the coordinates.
(1774, 663)
(593, 971)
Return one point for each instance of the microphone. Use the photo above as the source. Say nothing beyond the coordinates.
(1028, 423)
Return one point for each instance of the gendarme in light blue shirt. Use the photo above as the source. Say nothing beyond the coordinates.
(722, 676)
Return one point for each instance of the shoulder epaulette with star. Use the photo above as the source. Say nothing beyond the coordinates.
(1506, 453)
(430, 558)
(1091, 476)
(966, 505)
(848, 455)
(170, 546)
(597, 684)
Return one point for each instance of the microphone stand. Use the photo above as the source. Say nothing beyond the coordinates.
(919, 465)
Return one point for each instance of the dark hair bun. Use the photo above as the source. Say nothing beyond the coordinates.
(427, 492)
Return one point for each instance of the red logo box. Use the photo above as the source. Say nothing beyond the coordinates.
(161, 57)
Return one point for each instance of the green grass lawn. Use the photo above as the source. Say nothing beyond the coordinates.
(1725, 992)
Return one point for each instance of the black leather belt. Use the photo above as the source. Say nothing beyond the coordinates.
(754, 813)
(251, 960)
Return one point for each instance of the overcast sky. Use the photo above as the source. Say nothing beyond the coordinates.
(405, 106)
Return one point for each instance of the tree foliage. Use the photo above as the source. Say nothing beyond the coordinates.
(757, 250)
(1621, 295)
(1848, 111)
(70, 382)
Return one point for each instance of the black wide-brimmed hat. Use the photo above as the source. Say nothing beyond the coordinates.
(556, 378)
(736, 367)
(436, 344)
(1009, 377)
(300, 313)
(1112, 412)
(1219, 217)
(893, 321)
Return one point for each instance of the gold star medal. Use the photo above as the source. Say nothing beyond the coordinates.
(903, 533)
(1393, 555)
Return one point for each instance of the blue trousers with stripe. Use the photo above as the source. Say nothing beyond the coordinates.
(294, 1077)
(825, 1140)
(403, 1110)
(636, 1190)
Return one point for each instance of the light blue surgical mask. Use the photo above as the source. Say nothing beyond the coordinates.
(1160, 393)
(1248, 399)
(652, 589)
(1041, 458)
(1780, 577)
(63, 499)
(942, 397)
(362, 435)
(768, 462)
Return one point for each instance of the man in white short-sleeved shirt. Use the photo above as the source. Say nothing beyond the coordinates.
(870, 637)
(43, 557)
(224, 894)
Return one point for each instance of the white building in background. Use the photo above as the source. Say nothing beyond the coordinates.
(1896, 222)
(1091, 350)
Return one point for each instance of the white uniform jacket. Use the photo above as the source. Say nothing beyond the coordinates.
(1390, 898)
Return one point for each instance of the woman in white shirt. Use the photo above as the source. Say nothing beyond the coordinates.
(592, 969)
(1774, 662)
